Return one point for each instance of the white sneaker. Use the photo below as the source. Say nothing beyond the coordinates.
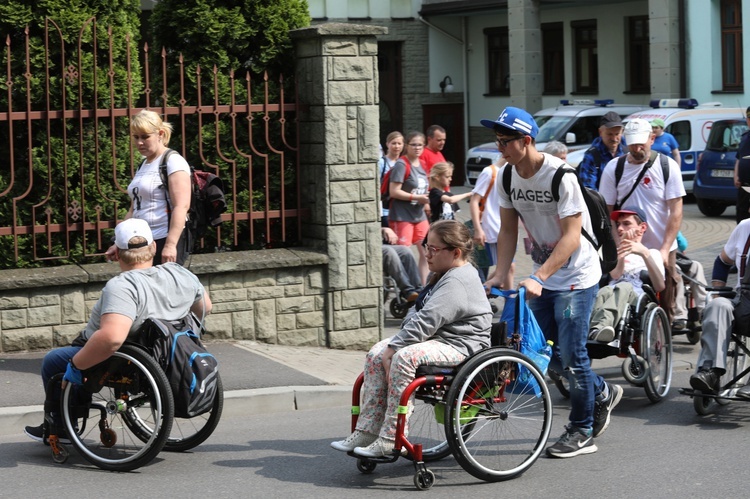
(379, 448)
(356, 439)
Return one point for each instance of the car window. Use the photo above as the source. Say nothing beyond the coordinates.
(681, 131)
(586, 129)
(552, 129)
(541, 120)
(725, 135)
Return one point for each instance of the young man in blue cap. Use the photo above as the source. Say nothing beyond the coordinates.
(563, 285)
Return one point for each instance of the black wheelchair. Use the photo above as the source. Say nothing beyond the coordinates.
(493, 412)
(123, 415)
(738, 367)
(643, 339)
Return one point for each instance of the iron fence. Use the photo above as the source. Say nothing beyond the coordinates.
(66, 155)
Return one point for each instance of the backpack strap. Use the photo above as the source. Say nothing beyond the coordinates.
(483, 201)
(621, 166)
(664, 168)
(743, 263)
(506, 178)
(556, 180)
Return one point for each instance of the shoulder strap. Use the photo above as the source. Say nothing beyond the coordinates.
(506, 178)
(743, 261)
(489, 189)
(664, 168)
(556, 180)
(165, 178)
(637, 181)
(619, 168)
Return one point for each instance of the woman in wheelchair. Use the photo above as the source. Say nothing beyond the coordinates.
(626, 280)
(450, 321)
(167, 291)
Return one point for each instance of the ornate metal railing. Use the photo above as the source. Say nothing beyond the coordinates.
(66, 156)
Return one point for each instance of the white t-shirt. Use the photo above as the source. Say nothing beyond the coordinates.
(634, 264)
(491, 213)
(736, 245)
(651, 195)
(149, 198)
(533, 201)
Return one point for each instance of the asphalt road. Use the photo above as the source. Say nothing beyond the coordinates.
(650, 450)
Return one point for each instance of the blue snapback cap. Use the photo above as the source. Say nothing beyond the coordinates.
(515, 119)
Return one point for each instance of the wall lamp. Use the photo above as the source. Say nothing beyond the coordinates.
(446, 85)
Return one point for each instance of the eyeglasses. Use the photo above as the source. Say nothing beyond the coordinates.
(504, 142)
(431, 250)
(415, 145)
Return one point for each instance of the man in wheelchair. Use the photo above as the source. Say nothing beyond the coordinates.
(167, 291)
(626, 280)
(722, 314)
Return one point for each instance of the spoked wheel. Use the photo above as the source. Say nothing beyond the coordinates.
(499, 414)
(131, 383)
(736, 363)
(657, 352)
(425, 426)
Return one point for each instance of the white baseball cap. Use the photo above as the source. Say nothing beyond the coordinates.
(637, 131)
(130, 228)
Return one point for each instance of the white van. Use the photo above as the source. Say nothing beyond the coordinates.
(689, 122)
(574, 123)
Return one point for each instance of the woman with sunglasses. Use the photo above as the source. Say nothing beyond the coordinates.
(408, 193)
(163, 207)
(449, 322)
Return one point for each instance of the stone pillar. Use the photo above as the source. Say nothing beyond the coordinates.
(664, 35)
(339, 129)
(525, 43)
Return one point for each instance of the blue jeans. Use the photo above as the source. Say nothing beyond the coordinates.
(56, 362)
(564, 318)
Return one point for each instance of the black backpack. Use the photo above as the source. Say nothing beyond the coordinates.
(602, 240)
(207, 201)
(191, 370)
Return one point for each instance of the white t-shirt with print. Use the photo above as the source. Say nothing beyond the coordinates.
(736, 245)
(634, 265)
(651, 195)
(491, 213)
(533, 201)
(148, 196)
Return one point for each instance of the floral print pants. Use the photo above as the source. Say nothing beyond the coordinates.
(379, 405)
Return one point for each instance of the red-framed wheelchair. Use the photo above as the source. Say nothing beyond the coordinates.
(492, 412)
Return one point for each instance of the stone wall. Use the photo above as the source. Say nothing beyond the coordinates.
(328, 293)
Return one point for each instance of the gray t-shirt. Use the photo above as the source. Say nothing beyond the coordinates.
(164, 292)
(415, 183)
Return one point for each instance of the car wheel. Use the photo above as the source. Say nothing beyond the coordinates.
(710, 208)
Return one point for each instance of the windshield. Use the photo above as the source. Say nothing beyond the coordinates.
(553, 128)
(541, 120)
(725, 135)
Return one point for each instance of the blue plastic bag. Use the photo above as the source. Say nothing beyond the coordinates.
(532, 338)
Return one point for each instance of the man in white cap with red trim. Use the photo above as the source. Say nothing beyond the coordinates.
(563, 285)
(168, 291)
(644, 185)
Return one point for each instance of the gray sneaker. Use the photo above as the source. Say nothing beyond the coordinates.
(603, 409)
(573, 442)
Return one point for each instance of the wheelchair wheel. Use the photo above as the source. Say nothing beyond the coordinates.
(656, 350)
(702, 405)
(186, 433)
(736, 363)
(425, 426)
(398, 310)
(499, 414)
(693, 336)
(131, 383)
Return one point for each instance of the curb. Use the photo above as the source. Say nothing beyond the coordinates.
(237, 403)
